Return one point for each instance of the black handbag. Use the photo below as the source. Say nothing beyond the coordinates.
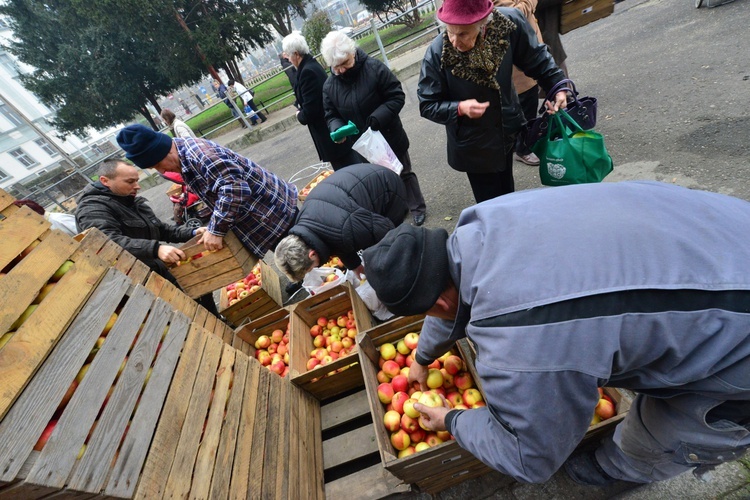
(582, 110)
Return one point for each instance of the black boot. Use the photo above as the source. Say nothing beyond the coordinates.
(583, 469)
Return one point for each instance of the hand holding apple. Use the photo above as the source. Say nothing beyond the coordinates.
(211, 241)
(433, 418)
(418, 373)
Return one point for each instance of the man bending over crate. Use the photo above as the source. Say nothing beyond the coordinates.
(255, 204)
(111, 205)
(638, 285)
(350, 210)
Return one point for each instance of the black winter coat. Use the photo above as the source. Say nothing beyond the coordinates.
(309, 93)
(351, 210)
(369, 95)
(129, 222)
(477, 145)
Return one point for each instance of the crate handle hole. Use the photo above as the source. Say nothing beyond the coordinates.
(458, 474)
(452, 459)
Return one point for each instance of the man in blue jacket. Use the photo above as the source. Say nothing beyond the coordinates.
(638, 285)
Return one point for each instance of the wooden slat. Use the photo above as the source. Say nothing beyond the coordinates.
(240, 476)
(93, 240)
(349, 446)
(283, 470)
(273, 439)
(344, 410)
(210, 323)
(297, 477)
(22, 284)
(58, 457)
(124, 477)
(90, 475)
(26, 420)
(314, 410)
(139, 272)
(258, 458)
(162, 452)
(178, 483)
(372, 482)
(18, 232)
(201, 314)
(155, 283)
(229, 441)
(271, 282)
(23, 354)
(109, 252)
(125, 261)
(204, 464)
(6, 200)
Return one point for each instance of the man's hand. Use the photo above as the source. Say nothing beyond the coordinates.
(472, 108)
(170, 255)
(211, 241)
(433, 418)
(200, 231)
(418, 373)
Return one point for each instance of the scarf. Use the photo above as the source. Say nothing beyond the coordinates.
(480, 64)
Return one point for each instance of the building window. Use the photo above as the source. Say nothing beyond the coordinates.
(25, 160)
(96, 149)
(10, 115)
(46, 146)
(3, 175)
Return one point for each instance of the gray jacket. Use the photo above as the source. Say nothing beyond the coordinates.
(638, 285)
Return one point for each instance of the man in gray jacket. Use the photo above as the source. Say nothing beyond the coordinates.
(638, 285)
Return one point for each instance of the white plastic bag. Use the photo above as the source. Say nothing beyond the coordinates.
(367, 294)
(315, 281)
(373, 146)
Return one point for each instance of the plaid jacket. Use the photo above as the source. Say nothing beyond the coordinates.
(255, 204)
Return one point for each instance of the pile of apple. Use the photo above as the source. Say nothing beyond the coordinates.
(332, 338)
(42, 441)
(43, 292)
(245, 287)
(306, 190)
(605, 408)
(273, 352)
(446, 377)
(334, 262)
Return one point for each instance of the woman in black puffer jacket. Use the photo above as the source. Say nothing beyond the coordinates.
(365, 91)
(350, 210)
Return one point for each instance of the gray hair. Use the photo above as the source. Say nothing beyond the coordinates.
(292, 257)
(295, 43)
(336, 47)
(108, 168)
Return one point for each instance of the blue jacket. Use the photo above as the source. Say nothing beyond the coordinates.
(639, 285)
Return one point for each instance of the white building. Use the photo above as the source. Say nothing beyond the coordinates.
(29, 146)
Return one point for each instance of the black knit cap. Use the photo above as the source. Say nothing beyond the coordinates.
(408, 269)
(144, 146)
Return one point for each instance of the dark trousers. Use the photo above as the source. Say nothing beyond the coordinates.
(486, 186)
(414, 197)
(530, 106)
(259, 114)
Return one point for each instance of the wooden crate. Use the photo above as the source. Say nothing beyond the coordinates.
(277, 320)
(265, 447)
(256, 305)
(174, 190)
(431, 470)
(307, 188)
(351, 460)
(213, 270)
(320, 382)
(96, 242)
(22, 287)
(577, 13)
(144, 342)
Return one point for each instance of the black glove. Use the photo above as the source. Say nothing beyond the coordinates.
(373, 123)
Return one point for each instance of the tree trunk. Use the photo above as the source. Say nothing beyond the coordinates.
(143, 111)
(236, 70)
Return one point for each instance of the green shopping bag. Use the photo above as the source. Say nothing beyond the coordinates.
(570, 155)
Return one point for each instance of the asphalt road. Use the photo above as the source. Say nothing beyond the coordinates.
(672, 83)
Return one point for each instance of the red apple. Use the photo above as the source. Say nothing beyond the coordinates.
(277, 335)
(408, 451)
(453, 364)
(454, 398)
(387, 351)
(409, 424)
(316, 330)
(411, 340)
(263, 342)
(605, 409)
(323, 321)
(400, 383)
(400, 439)
(398, 401)
(472, 396)
(402, 347)
(463, 381)
(391, 368)
(392, 421)
(45, 435)
(418, 435)
(385, 393)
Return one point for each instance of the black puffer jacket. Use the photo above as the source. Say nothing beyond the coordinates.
(309, 93)
(129, 222)
(351, 210)
(369, 95)
(476, 145)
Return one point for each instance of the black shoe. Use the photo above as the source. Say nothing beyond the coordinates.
(583, 469)
(419, 219)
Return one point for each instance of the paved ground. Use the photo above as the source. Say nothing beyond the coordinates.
(670, 80)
